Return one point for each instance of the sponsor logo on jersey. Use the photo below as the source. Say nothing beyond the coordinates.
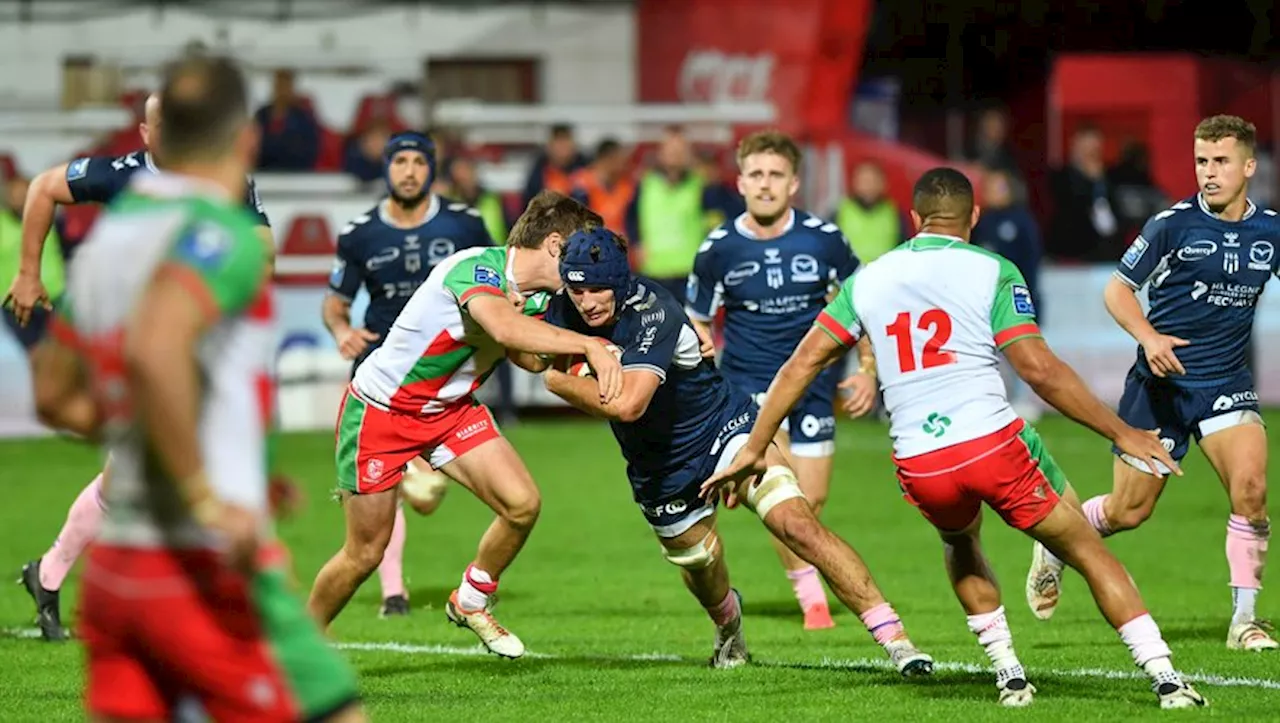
(487, 276)
(936, 425)
(646, 340)
(1198, 289)
(1231, 240)
(1167, 443)
(653, 318)
(1022, 303)
(79, 168)
(205, 246)
(804, 269)
(741, 273)
(382, 258)
(1261, 254)
(1225, 402)
(1197, 250)
(438, 249)
(772, 256)
(339, 271)
(1134, 253)
(773, 276)
(812, 426)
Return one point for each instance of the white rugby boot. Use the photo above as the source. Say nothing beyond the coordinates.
(496, 638)
(1044, 583)
(731, 644)
(1251, 635)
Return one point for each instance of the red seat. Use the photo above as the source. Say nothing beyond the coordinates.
(309, 235)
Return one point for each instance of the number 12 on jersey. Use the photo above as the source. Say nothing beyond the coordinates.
(935, 320)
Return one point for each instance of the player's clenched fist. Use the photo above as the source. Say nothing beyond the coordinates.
(1160, 355)
(353, 341)
(859, 394)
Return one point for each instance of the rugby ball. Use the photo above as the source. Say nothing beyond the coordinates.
(423, 486)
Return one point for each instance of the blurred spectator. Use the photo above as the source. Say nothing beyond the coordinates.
(665, 220)
(1084, 225)
(463, 184)
(52, 266)
(604, 186)
(991, 148)
(871, 221)
(555, 166)
(1007, 227)
(722, 200)
(363, 155)
(1136, 195)
(446, 142)
(290, 134)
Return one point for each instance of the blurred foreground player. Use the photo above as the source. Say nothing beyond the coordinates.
(1207, 260)
(678, 420)
(90, 179)
(389, 250)
(168, 327)
(413, 397)
(774, 268)
(937, 310)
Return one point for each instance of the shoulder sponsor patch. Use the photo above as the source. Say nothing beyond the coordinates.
(339, 271)
(488, 277)
(1134, 253)
(77, 169)
(204, 246)
(1022, 300)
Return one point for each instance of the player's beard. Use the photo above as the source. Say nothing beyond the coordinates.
(766, 221)
(409, 203)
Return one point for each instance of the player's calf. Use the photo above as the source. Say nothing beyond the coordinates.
(698, 554)
(776, 498)
(370, 518)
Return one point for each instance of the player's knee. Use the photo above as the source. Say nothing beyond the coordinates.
(1132, 515)
(366, 554)
(521, 510)
(698, 556)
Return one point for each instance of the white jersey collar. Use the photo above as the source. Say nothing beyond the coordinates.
(1249, 208)
(740, 225)
(433, 208)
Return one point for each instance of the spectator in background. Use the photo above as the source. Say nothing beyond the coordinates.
(1136, 195)
(555, 166)
(463, 184)
(52, 271)
(665, 220)
(1084, 225)
(1007, 227)
(722, 201)
(605, 187)
(363, 155)
(991, 148)
(446, 144)
(867, 217)
(290, 133)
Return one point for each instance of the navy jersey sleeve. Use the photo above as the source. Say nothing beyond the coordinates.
(473, 231)
(1148, 251)
(253, 203)
(348, 272)
(701, 295)
(653, 347)
(97, 179)
(844, 261)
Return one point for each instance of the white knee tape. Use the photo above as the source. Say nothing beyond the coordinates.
(776, 486)
(697, 557)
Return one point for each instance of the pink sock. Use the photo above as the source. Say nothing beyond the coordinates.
(883, 623)
(83, 521)
(1246, 558)
(1097, 516)
(476, 587)
(808, 587)
(726, 612)
(391, 570)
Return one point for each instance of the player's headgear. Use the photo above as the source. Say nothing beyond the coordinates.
(596, 257)
(408, 141)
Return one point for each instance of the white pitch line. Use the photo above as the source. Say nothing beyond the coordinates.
(825, 663)
(856, 663)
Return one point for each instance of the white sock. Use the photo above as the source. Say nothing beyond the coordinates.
(996, 639)
(1149, 650)
(473, 593)
(1245, 600)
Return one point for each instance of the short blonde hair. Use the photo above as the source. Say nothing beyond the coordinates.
(1218, 127)
(770, 141)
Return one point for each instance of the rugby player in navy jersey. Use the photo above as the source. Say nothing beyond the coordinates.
(773, 269)
(1205, 261)
(389, 250)
(88, 179)
(677, 421)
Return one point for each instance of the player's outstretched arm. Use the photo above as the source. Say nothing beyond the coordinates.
(63, 396)
(638, 388)
(47, 190)
(1059, 385)
(816, 352)
(514, 330)
(1122, 303)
